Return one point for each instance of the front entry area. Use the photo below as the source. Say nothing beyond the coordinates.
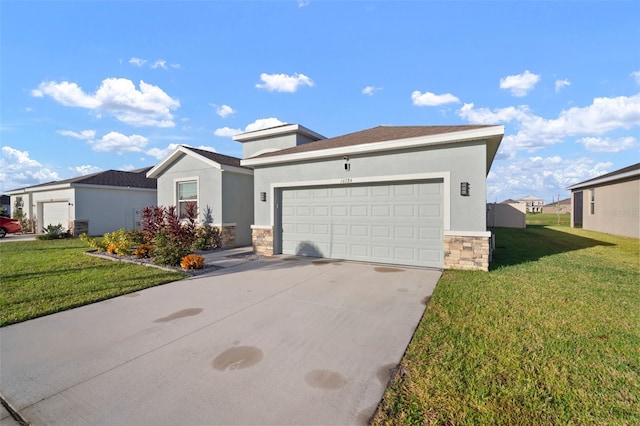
(397, 223)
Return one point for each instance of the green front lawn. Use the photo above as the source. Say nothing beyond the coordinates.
(551, 335)
(549, 219)
(42, 277)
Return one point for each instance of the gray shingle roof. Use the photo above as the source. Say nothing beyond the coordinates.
(133, 179)
(375, 134)
(226, 160)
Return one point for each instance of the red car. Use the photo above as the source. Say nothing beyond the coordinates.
(9, 226)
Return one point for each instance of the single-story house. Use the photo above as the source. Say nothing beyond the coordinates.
(221, 188)
(609, 203)
(558, 207)
(406, 195)
(94, 204)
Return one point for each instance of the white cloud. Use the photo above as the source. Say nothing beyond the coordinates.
(431, 99)
(263, 123)
(544, 177)
(561, 84)
(85, 170)
(636, 76)
(224, 111)
(138, 62)
(283, 82)
(160, 63)
(259, 124)
(127, 167)
(149, 106)
(535, 132)
(519, 84)
(303, 3)
(85, 135)
(162, 153)
(175, 66)
(597, 144)
(119, 143)
(370, 90)
(18, 169)
(227, 132)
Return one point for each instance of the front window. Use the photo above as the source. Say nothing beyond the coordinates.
(187, 192)
(592, 201)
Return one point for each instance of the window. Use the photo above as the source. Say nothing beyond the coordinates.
(592, 201)
(187, 192)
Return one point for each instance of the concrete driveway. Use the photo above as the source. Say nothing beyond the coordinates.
(275, 341)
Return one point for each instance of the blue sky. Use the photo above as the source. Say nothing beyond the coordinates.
(89, 86)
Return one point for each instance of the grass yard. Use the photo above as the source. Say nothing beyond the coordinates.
(42, 277)
(549, 219)
(551, 335)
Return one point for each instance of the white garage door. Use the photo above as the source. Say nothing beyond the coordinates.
(55, 213)
(388, 223)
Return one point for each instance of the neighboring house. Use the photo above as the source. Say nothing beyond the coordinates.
(609, 203)
(409, 195)
(96, 204)
(558, 207)
(508, 214)
(5, 205)
(534, 205)
(218, 184)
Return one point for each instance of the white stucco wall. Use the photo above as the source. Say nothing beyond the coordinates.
(108, 209)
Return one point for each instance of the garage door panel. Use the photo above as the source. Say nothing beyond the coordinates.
(54, 213)
(390, 223)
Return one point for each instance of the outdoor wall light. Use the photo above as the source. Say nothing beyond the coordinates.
(263, 196)
(347, 166)
(464, 189)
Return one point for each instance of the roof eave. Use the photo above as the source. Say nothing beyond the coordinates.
(493, 134)
(596, 181)
(275, 131)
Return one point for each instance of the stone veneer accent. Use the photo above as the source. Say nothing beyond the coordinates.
(262, 239)
(227, 236)
(77, 227)
(467, 253)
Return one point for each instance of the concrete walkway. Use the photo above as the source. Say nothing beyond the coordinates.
(282, 340)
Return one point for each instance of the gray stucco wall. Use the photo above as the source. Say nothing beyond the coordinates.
(273, 143)
(209, 185)
(237, 204)
(109, 209)
(617, 209)
(464, 163)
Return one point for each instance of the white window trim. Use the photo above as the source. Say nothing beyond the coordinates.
(444, 176)
(176, 181)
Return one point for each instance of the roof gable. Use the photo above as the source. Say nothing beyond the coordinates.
(214, 159)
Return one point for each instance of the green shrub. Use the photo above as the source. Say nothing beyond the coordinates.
(94, 243)
(169, 250)
(206, 237)
(119, 242)
(54, 232)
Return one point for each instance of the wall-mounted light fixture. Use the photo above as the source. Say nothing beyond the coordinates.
(263, 196)
(464, 189)
(347, 166)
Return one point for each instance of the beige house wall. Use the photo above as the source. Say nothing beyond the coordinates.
(616, 209)
(507, 215)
